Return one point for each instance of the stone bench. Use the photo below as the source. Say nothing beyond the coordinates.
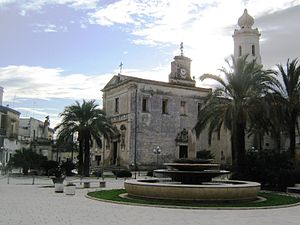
(87, 183)
(295, 189)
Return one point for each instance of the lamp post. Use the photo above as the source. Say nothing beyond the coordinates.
(157, 151)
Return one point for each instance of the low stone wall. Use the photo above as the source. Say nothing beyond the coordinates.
(217, 191)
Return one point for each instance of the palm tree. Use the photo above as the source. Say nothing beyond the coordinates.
(234, 102)
(87, 121)
(289, 92)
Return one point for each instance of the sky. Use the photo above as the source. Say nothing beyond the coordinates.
(54, 52)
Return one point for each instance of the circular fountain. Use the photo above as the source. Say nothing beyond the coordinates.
(193, 181)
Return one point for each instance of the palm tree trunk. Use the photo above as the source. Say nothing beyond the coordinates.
(86, 165)
(239, 146)
(292, 139)
(233, 151)
(80, 158)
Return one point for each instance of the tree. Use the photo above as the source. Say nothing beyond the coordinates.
(87, 121)
(234, 102)
(49, 165)
(289, 93)
(26, 159)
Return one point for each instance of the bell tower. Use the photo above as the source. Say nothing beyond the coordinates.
(246, 39)
(181, 70)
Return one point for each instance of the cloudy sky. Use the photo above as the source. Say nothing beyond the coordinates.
(53, 52)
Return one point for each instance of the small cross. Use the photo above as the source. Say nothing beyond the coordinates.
(181, 48)
(121, 67)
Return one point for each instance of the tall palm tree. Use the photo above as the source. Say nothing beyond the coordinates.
(88, 121)
(289, 92)
(234, 102)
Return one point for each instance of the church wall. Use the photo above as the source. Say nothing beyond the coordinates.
(158, 129)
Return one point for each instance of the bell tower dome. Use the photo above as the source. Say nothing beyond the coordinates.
(246, 39)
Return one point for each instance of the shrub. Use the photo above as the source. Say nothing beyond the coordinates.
(204, 154)
(123, 173)
(150, 173)
(271, 168)
(68, 166)
(27, 159)
(97, 172)
(48, 166)
(192, 161)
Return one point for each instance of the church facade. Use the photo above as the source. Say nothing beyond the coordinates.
(153, 115)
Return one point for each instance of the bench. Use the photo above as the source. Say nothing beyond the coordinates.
(87, 183)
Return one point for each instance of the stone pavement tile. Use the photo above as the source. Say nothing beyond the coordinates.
(30, 204)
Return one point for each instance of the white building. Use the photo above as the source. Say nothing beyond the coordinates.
(37, 135)
(9, 125)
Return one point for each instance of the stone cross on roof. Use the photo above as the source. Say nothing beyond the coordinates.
(181, 48)
(121, 67)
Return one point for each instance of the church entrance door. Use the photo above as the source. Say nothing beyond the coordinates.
(183, 151)
(115, 152)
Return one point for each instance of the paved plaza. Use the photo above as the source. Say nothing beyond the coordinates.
(22, 203)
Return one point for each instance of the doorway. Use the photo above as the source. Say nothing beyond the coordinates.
(183, 151)
(115, 152)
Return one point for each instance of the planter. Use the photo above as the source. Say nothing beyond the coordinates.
(58, 180)
(102, 184)
(70, 189)
(59, 187)
(86, 184)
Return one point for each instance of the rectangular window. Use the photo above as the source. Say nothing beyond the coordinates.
(116, 105)
(145, 104)
(199, 109)
(165, 106)
(182, 108)
(3, 121)
(240, 50)
(253, 50)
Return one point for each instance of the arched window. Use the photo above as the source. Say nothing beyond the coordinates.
(253, 50)
(240, 50)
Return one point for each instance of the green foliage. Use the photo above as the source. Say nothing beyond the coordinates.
(48, 166)
(122, 173)
(289, 93)
(205, 154)
(97, 172)
(150, 173)
(234, 102)
(67, 167)
(272, 199)
(89, 122)
(27, 159)
(272, 169)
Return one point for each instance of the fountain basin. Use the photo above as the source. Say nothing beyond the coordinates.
(191, 177)
(232, 190)
(193, 166)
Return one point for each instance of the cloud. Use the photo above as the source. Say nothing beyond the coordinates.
(30, 85)
(49, 28)
(46, 83)
(33, 5)
(196, 23)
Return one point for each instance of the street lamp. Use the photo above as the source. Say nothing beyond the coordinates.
(157, 151)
